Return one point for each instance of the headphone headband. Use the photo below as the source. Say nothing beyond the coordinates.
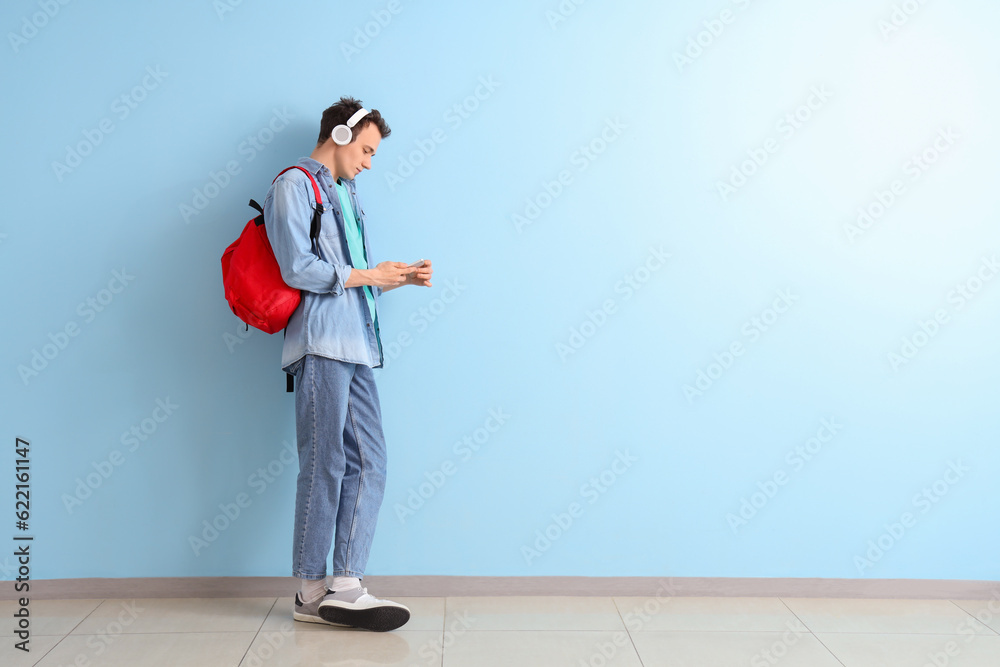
(358, 115)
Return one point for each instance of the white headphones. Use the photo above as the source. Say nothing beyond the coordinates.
(342, 134)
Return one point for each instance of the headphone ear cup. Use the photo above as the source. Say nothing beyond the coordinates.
(341, 135)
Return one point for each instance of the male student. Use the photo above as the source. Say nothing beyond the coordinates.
(331, 346)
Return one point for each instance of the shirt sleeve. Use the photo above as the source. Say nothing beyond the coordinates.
(287, 218)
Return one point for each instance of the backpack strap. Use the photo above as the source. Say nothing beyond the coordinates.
(318, 210)
(289, 378)
(313, 236)
(259, 220)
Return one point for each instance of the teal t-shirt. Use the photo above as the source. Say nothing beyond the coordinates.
(355, 242)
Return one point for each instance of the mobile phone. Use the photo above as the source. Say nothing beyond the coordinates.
(419, 263)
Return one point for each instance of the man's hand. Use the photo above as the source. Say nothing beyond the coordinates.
(422, 275)
(386, 275)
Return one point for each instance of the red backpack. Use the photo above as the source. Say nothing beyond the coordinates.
(252, 278)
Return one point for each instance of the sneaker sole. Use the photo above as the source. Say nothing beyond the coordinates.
(377, 619)
(310, 619)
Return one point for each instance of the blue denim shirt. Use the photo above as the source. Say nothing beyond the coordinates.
(331, 320)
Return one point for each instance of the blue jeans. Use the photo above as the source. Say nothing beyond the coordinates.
(341, 482)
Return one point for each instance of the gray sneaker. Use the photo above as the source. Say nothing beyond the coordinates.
(357, 609)
(307, 612)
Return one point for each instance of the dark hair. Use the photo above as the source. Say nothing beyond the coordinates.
(341, 112)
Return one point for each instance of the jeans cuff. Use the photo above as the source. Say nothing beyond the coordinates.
(347, 573)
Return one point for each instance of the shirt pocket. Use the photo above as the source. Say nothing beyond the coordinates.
(331, 248)
(328, 222)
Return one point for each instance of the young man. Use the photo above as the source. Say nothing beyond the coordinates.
(331, 346)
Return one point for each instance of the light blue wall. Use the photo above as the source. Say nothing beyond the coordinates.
(672, 132)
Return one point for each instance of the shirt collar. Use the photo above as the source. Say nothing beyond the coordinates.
(317, 168)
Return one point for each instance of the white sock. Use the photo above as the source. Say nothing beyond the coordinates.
(312, 589)
(345, 583)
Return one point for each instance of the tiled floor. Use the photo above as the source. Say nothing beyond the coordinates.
(516, 632)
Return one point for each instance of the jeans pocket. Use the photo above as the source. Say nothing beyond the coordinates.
(295, 367)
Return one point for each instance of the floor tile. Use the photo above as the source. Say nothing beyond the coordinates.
(732, 649)
(518, 630)
(883, 616)
(352, 648)
(533, 613)
(705, 613)
(986, 611)
(541, 649)
(198, 649)
(899, 650)
(48, 617)
(426, 615)
(145, 615)
(38, 646)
